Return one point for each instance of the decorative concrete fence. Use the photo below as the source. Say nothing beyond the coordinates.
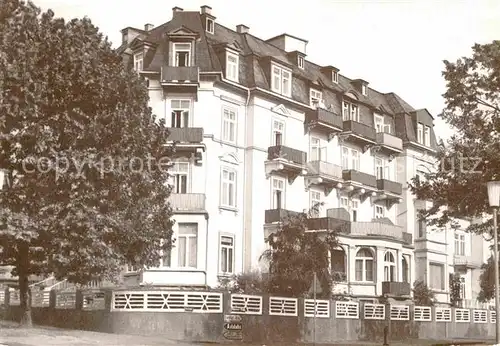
(206, 317)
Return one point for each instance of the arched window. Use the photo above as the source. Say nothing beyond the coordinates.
(364, 265)
(338, 266)
(405, 268)
(389, 267)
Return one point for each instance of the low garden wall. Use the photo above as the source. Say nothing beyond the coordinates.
(223, 317)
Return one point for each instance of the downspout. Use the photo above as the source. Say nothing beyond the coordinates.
(206, 251)
(245, 162)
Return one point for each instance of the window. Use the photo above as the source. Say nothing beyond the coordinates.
(228, 188)
(382, 168)
(300, 61)
(315, 203)
(278, 193)
(138, 61)
(459, 244)
(420, 175)
(281, 81)
(182, 53)
(364, 265)
(379, 123)
(354, 160)
(389, 267)
(350, 111)
(180, 113)
(187, 244)
(379, 211)
(166, 258)
(232, 67)
(427, 136)
(278, 130)
(335, 77)
(344, 203)
(315, 97)
(338, 266)
(317, 153)
(229, 125)
(364, 89)
(354, 210)
(406, 269)
(210, 26)
(420, 133)
(345, 158)
(179, 175)
(422, 228)
(226, 254)
(436, 276)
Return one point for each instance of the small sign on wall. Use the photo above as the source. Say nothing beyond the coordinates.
(233, 328)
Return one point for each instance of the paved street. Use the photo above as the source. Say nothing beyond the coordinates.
(12, 335)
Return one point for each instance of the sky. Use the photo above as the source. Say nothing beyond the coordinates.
(397, 46)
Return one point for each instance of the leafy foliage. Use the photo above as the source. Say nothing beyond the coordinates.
(455, 297)
(470, 158)
(422, 295)
(487, 281)
(74, 129)
(294, 255)
(252, 282)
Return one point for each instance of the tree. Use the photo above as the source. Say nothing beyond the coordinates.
(455, 289)
(422, 295)
(252, 282)
(295, 254)
(86, 158)
(470, 157)
(487, 281)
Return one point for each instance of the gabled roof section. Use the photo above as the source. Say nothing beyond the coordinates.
(425, 111)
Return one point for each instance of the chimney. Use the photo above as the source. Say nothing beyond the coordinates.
(206, 9)
(148, 27)
(176, 9)
(242, 29)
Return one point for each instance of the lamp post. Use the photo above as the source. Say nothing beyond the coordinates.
(494, 201)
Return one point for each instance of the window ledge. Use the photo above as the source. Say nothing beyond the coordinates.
(227, 208)
(363, 283)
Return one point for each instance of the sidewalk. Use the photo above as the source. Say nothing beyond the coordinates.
(11, 334)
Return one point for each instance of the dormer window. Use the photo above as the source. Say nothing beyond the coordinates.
(281, 80)
(335, 77)
(364, 89)
(315, 97)
(232, 67)
(210, 25)
(300, 62)
(138, 61)
(182, 54)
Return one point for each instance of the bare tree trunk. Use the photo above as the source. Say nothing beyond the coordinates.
(24, 289)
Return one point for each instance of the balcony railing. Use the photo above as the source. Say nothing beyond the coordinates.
(170, 74)
(286, 153)
(324, 169)
(407, 238)
(186, 134)
(323, 116)
(278, 215)
(360, 129)
(187, 201)
(360, 177)
(375, 229)
(388, 140)
(467, 261)
(396, 288)
(325, 223)
(390, 186)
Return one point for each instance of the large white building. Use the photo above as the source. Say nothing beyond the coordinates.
(263, 132)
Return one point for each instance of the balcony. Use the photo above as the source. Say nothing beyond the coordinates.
(180, 76)
(359, 183)
(325, 224)
(187, 139)
(389, 144)
(187, 202)
(324, 174)
(325, 121)
(285, 160)
(390, 187)
(397, 289)
(279, 215)
(467, 262)
(359, 133)
(407, 238)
